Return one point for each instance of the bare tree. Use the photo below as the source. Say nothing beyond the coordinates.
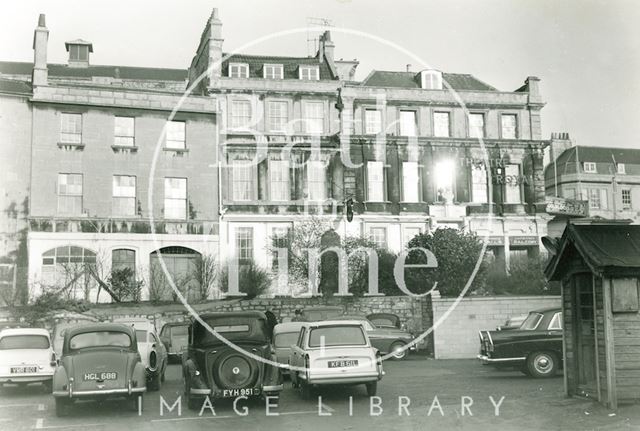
(205, 273)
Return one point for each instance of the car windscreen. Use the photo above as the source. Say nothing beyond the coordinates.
(384, 321)
(179, 331)
(232, 329)
(14, 342)
(99, 339)
(337, 336)
(286, 339)
(141, 336)
(531, 322)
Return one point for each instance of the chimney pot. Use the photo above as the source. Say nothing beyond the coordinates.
(42, 20)
(408, 67)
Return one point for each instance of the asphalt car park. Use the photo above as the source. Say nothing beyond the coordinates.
(406, 395)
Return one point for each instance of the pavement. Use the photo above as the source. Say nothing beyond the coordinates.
(415, 394)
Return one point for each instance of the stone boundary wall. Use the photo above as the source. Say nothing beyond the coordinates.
(457, 335)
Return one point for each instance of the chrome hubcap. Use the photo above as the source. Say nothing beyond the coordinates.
(543, 364)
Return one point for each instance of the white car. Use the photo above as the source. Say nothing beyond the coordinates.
(152, 351)
(334, 352)
(26, 356)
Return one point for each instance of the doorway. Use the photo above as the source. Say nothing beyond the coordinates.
(585, 340)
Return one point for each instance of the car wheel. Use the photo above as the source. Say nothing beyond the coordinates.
(154, 383)
(542, 364)
(398, 352)
(47, 387)
(372, 388)
(62, 407)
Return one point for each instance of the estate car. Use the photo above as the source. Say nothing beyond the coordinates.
(386, 339)
(284, 336)
(26, 356)
(230, 356)
(99, 361)
(535, 348)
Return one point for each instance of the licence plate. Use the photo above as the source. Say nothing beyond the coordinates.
(100, 376)
(21, 370)
(245, 392)
(343, 363)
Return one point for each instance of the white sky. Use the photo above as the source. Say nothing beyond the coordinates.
(586, 52)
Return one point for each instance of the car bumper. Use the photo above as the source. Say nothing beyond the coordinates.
(99, 393)
(206, 391)
(343, 380)
(29, 378)
(487, 360)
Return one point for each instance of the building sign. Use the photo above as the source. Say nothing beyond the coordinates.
(523, 240)
(569, 207)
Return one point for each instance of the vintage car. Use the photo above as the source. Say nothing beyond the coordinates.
(284, 336)
(535, 348)
(334, 352)
(26, 356)
(386, 339)
(230, 357)
(153, 353)
(62, 322)
(175, 337)
(315, 314)
(99, 360)
(512, 322)
(385, 320)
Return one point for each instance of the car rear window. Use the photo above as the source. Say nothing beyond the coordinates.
(383, 321)
(531, 322)
(286, 339)
(337, 336)
(100, 339)
(178, 331)
(231, 329)
(141, 336)
(15, 342)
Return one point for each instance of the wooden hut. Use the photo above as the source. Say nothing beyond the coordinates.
(598, 264)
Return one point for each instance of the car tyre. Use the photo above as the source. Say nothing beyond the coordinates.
(154, 383)
(401, 353)
(47, 387)
(372, 389)
(542, 364)
(63, 406)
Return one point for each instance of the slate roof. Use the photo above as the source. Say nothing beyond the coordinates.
(457, 81)
(119, 72)
(290, 65)
(12, 86)
(606, 247)
(600, 155)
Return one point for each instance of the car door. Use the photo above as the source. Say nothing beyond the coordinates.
(297, 351)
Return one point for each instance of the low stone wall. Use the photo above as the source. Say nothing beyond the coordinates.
(457, 335)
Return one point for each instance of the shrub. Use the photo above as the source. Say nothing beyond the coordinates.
(526, 277)
(252, 280)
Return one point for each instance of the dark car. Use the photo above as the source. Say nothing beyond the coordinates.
(212, 368)
(175, 337)
(385, 320)
(99, 361)
(384, 338)
(535, 348)
(512, 322)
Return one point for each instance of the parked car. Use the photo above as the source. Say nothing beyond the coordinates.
(284, 336)
(174, 336)
(334, 352)
(99, 360)
(26, 356)
(213, 368)
(385, 320)
(152, 351)
(512, 322)
(315, 314)
(535, 347)
(62, 322)
(386, 339)
(7, 324)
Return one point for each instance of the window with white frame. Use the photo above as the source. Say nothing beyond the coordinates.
(238, 70)
(441, 125)
(314, 117)
(279, 180)
(408, 233)
(273, 71)
(479, 187)
(309, 73)
(408, 124)
(375, 181)
(444, 173)
(316, 180)
(240, 114)
(509, 126)
(372, 121)
(626, 199)
(78, 52)
(244, 245)
(176, 135)
(512, 184)
(278, 115)
(123, 258)
(590, 167)
(279, 239)
(431, 79)
(410, 182)
(598, 199)
(70, 128)
(175, 198)
(378, 236)
(476, 125)
(242, 173)
(621, 168)
(70, 194)
(124, 131)
(124, 196)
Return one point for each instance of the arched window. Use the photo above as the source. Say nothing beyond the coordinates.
(68, 269)
(122, 258)
(68, 254)
(182, 266)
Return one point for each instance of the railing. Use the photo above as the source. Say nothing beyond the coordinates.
(122, 225)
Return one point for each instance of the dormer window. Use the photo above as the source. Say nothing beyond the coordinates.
(309, 73)
(621, 168)
(590, 167)
(238, 70)
(79, 52)
(431, 80)
(273, 71)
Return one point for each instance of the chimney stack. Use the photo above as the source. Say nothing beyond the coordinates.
(215, 46)
(40, 72)
(560, 142)
(533, 85)
(326, 47)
